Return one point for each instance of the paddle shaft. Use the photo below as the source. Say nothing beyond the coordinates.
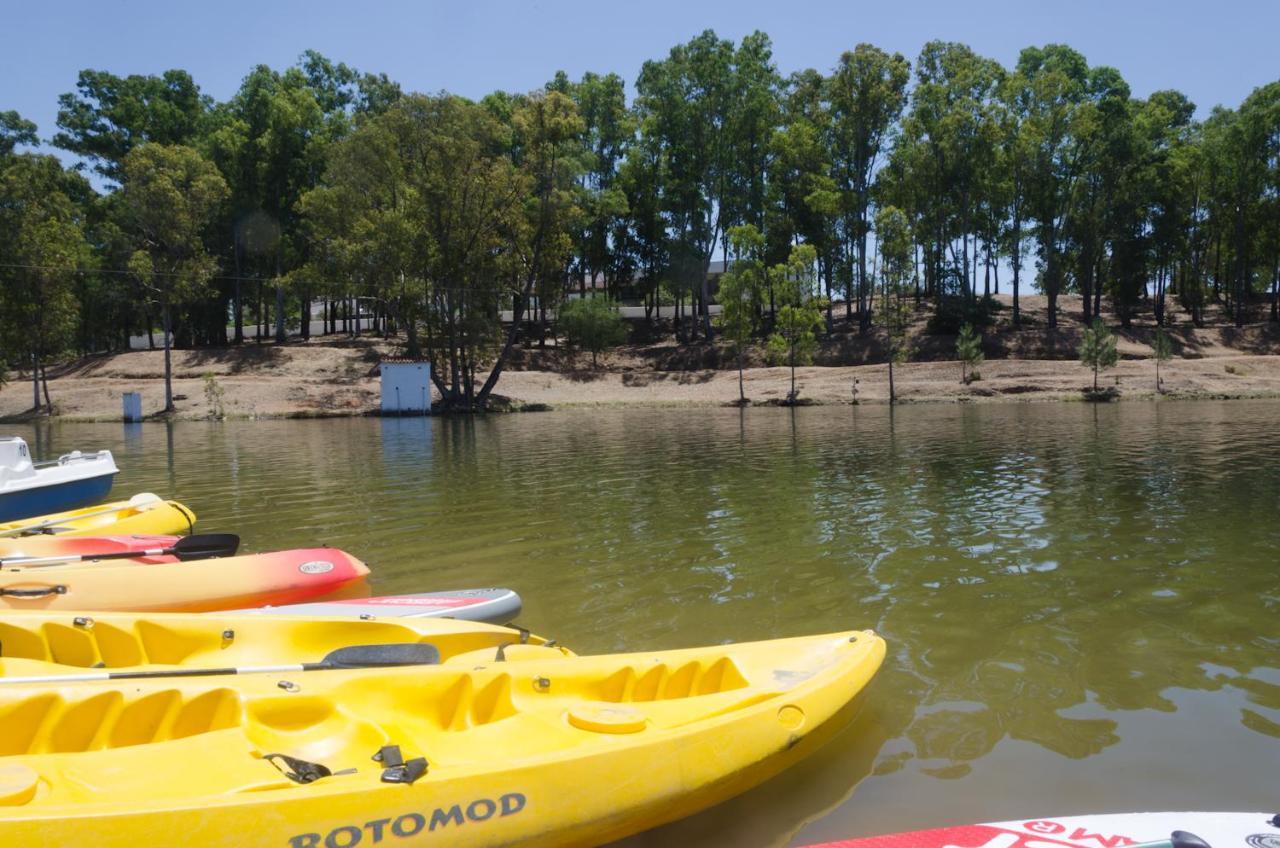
(186, 548)
(141, 501)
(354, 656)
(177, 672)
(50, 560)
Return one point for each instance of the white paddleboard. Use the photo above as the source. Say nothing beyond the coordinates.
(1167, 830)
(495, 606)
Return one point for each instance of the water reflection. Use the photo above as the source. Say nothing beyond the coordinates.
(1055, 582)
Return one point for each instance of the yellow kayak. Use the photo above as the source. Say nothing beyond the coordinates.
(556, 751)
(144, 514)
(67, 644)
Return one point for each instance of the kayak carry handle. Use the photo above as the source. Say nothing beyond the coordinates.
(33, 593)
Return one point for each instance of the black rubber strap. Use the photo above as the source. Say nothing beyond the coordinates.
(298, 770)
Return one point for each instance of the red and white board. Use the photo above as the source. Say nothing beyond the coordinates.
(495, 606)
(1217, 830)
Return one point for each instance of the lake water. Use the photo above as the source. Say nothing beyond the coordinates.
(1080, 601)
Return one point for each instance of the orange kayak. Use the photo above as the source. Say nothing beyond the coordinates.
(282, 577)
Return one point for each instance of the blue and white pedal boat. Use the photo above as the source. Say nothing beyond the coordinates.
(71, 481)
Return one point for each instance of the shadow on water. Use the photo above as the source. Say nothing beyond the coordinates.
(1074, 596)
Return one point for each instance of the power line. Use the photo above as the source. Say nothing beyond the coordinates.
(218, 277)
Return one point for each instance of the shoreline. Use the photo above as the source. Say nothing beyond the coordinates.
(318, 380)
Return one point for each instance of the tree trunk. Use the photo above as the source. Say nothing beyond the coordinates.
(237, 309)
(44, 378)
(1242, 266)
(864, 319)
(1275, 288)
(893, 397)
(168, 365)
(742, 394)
(792, 396)
(280, 331)
(1017, 268)
(35, 381)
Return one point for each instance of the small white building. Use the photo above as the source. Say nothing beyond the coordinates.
(406, 386)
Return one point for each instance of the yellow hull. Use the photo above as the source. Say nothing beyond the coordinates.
(42, 643)
(160, 518)
(544, 751)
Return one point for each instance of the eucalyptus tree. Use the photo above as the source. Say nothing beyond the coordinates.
(1015, 152)
(107, 116)
(42, 246)
(867, 93)
(269, 142)
(169, 195)
(1103, 233)
(359, 223)
(641, 236)
(545, 128)
(608, 128)
(1191, 166)
(1054, 83)
(1258, 188)
(803, 202)
(1166, 118)
(706, 105)
(949, 140)
(893, 236)
(15, 130)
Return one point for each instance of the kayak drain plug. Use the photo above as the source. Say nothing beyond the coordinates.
(83, 621)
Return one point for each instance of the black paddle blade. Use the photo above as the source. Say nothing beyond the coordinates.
(382, 656)
(205, 546)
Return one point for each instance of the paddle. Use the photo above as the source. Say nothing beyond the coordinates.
(139, 502)
(186, 549)
(352, 656)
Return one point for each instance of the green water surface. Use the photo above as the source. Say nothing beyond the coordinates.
(1080, 601)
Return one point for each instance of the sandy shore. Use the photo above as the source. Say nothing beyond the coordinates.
(320, 379)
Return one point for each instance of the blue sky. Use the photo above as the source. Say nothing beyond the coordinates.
(1215, 52)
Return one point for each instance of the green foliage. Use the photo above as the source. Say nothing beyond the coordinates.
(169, 196)
(794, 338)
(742, 291)
(42, 246)
(969, 352)
(953, 312)
(1161, 345)
(1098, 349)
(443, 213)
(109, 116)
(15, 130)
(213, 396)
(592, 323)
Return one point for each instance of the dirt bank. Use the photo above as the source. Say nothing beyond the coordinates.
(339, 377)
(318, 380)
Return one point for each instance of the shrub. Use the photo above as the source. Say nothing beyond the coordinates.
(592, 323)
(954, 311)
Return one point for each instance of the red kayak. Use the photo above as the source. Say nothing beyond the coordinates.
(222, 583)
(1109, 830)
